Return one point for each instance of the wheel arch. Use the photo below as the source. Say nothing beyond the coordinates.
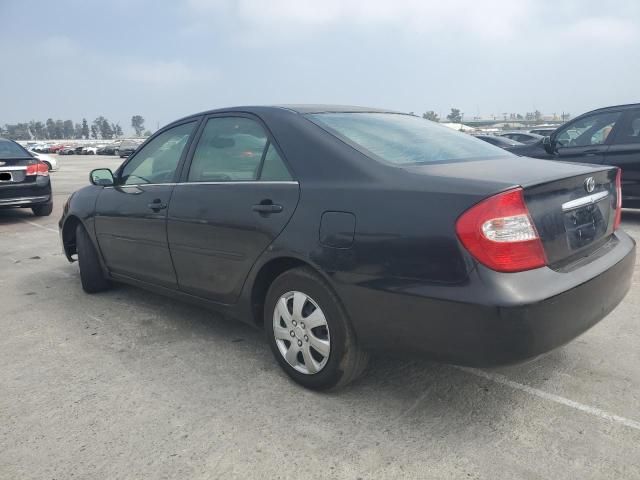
(69, 235)
(265, 276)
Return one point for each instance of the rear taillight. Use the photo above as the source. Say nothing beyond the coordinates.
(618, 217)
(500, 234)
(39, 169)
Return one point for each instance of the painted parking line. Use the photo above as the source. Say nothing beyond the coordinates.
(597, 412)
(54, 230)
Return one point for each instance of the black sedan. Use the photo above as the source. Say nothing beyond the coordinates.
(343, 231)
(24, 180)
(522, 137)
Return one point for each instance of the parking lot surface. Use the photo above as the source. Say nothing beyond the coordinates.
(128, 384)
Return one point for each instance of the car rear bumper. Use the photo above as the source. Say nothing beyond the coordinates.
(495, 318)
(24, 201)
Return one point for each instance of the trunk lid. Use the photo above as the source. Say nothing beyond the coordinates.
(568, 230)
(13, 171)
(575, 215)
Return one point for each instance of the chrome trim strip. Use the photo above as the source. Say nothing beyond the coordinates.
(22, 200)
(231, 182)
(584, 201)
(12, 169)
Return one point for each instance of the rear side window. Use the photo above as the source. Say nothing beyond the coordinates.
(230, 149)
(273, 169)
(236, 149)
(404, 139)
(9, 149)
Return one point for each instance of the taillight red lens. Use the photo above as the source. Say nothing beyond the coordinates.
(618, 217)
(39, 168)
(500, 234)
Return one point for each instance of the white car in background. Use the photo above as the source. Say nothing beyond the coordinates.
(92, 150)
(50, 161)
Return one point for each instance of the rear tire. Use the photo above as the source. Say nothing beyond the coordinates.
(42, 210)
(345, 360)
(91, 274)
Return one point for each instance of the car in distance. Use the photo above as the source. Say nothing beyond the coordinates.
(522, 137)
(543, 131)
(501, 142)
(343, 231)
(67, 150)
(127, 147)
(24, 180)
(48, 160)
(606, 136)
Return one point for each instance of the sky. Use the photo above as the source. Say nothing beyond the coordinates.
(167, 59)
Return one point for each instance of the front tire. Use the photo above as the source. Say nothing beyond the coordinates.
(42, 210)
(91, 274)
(310, 333)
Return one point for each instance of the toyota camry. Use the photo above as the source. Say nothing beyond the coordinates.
(343, 231)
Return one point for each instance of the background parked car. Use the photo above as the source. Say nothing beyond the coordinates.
(24, 180)
(48, 160)
(607, 136)
(522, 137)
(501, 142)
(127, 147)
(543, 131)
(67, 151)
(90, 150)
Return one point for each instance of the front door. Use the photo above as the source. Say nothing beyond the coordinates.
(586, 140)
(235, 199)
(131, 217)
(625, 153)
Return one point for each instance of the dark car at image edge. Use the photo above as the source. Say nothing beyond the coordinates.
(24, 180)
(344, 230)
(607, 136)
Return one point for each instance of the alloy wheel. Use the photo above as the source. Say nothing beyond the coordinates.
(301, 332)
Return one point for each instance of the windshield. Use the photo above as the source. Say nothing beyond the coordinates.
(9, 149)
(404, 139)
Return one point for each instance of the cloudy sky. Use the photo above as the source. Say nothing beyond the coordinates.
(166, 59)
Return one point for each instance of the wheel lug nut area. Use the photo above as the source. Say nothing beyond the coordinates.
(294, 323)
(292, 333)
(299, 343)
(306, 339)
(302, 324)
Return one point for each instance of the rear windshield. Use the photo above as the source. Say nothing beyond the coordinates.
(404, 139)
(9, 149)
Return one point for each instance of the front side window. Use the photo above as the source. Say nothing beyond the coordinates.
(630, 132)
(236, 149)
(404, 139)
(591, 130)
(157, 161)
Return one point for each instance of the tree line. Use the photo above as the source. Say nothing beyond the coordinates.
(101, 128)
(456, 116)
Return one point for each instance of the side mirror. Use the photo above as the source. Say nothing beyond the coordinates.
(549, 145)
(102, 177)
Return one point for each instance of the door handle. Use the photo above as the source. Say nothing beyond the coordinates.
(157, 205)
(267, 208)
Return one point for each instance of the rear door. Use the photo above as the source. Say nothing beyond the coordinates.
(624, 152)
(236, 196)
(587, 139)
(131, 217)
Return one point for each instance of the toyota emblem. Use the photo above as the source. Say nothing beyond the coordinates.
(589, 184)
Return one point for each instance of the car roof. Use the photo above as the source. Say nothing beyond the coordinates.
(291, 108)
(615, 107)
